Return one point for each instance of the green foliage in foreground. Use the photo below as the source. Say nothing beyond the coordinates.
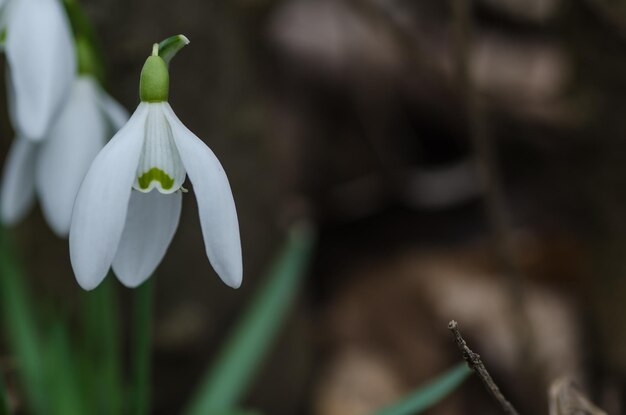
(228, 380)
(60, 375)
(60, 378)
(21, 332)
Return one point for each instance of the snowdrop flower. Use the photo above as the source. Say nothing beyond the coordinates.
(128, 207)
(54, 167)
(41, 62)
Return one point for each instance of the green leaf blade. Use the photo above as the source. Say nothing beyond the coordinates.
(428, 395)
(243, 352)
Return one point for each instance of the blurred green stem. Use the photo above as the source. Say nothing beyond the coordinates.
(102, 349)
(429, 394)
(142, 347)
(66, 397)
(20, 328)
(243, 352)
(89, 53)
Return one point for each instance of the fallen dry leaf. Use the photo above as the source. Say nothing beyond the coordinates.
(567, 399)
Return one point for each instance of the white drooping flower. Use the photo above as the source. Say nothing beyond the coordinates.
(41, 62)
(128, 207)
(54, 167)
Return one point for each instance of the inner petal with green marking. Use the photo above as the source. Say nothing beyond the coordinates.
(158, 175)
(160, 165)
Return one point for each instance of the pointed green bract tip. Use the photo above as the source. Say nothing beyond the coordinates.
(154, 84)
(168, 48)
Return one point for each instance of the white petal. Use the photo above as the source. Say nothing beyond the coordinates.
(151, 222)
(216, 206)
(116, 113)
(102, 202)
(40, 54)
(18, 181)
(74, 140)
(160, 166)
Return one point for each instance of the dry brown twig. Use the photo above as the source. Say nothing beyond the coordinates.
(475, 363)
(495, 205)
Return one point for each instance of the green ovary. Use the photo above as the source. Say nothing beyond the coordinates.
(155, 174)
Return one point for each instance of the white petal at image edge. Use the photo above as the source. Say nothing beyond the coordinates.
(100, 209)
(216, 207)
(17, 193)
(40, 54)
(151, 222)
(65, 156)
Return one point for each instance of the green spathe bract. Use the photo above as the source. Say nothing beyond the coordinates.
(155, 174)
(169, 47)
(154, 84)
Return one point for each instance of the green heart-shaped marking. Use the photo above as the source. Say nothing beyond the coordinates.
(155, 174)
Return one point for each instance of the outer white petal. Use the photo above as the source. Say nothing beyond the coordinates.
(18, 181)
(40, 53)
(102, 202)
(151, 222)
(74, 140)
(216, 206)
(116, 114)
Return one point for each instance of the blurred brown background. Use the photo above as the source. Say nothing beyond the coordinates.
(359, 114)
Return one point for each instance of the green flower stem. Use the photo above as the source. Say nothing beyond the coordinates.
(89, 63)
(89, 54)
(243, 352)
(101, 349)
(21, 329)
(429, 394)
(169, 47)
(142, 347)
(61, 371)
